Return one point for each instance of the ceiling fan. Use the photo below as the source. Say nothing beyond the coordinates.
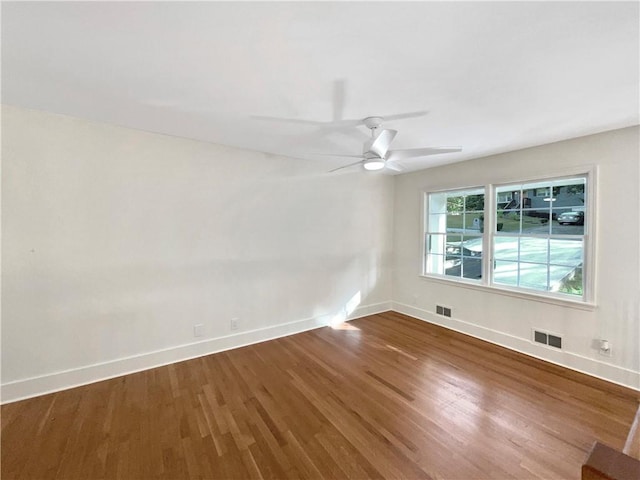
(376, 154)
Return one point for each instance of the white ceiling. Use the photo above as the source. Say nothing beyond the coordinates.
(494, 77)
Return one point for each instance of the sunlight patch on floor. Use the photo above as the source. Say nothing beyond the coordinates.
(350, 307)
(344, 326)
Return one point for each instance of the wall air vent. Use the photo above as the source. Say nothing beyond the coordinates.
(540, 337)
(555, 341)
(547, 338)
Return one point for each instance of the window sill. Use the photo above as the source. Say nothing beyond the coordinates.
(513, 293)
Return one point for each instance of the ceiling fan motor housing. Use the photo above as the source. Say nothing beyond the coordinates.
(373, 122)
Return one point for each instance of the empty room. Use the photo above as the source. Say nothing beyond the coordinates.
(324, 240)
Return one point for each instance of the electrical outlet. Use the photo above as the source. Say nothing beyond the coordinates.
(605, 348)
(234, 323)
(198, 330)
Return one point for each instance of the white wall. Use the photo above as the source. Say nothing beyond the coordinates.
(507, 320)
(116, 242)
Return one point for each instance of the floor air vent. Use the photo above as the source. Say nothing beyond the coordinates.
(547, 338)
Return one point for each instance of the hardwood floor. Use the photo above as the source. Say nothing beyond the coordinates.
(387, 396)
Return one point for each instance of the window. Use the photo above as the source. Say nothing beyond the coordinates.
(455, 225)
(536, 231)
(539, 245)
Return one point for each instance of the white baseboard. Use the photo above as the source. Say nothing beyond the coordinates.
(36, 386)
(595, 368)
(54, 382)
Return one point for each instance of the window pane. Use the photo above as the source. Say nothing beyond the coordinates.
(536, 221)
(437, 223)
(533, 275)
(435, 264)
(508, 206)
(566, 252)
(568, 222)
(505, 273)
(453, 250)
(474, 203)
(453, 266)
(534, 249)
(473, 243)
(463, 256)
(559, 275)
(464, 211)
(503, 198)
(571, 283)
(472, 265)
(455, 222)
(437, 203)
(455, 203)
(569, 193)
(453, 260)
(508, 221)
(506, 248)
(435, 244)
(474, 221)
(506, 194)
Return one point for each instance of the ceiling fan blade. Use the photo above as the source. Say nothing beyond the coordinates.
(328, 126)
(356, 122)
(337, 121)
(392, 166)
(287, 120)
(381, 143)
(402, 116)
(339, 155)
(345, 166)
(420, 152)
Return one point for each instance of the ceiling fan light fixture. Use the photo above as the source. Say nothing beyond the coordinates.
(373, 164)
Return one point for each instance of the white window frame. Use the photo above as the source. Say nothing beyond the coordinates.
(588, 299)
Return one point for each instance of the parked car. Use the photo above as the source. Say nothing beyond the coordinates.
(460, 261)
(571, 218)
(456, 250)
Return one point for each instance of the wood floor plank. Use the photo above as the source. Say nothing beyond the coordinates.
(385, 396)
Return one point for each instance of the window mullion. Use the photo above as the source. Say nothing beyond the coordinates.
(488, 234)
